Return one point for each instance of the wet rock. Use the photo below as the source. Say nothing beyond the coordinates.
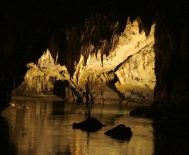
(89, 125)
(120, 132)
(154, 111)
(18, 105)
(140, 111)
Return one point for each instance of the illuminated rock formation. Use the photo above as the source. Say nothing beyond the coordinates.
(125, 73)
(40, 77)
(120, 70)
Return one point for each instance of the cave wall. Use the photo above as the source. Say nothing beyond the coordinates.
(171, 51)
(125, 73)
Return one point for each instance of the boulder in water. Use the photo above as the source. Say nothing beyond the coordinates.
(89, 125)
(120, 132)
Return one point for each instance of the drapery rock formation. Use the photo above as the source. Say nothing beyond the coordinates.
(126, 73)
(119, 69)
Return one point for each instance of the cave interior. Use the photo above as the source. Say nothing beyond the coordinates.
(28, 28)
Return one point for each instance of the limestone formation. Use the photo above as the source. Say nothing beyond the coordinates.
(124, 73)
(41, 77)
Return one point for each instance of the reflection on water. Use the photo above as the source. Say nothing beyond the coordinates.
(45, 128)
(6, 147)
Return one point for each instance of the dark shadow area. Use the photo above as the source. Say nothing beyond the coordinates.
(111, 85)
(171, 137)
(6, 148)
(60, 88)
(65, 91)
(58, 108)
(170, 126)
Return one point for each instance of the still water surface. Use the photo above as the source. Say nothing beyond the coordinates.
(45, 128)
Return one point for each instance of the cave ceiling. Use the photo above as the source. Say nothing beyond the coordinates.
(26, 25)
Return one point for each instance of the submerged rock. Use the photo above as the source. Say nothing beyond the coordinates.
(89, 125)
(120, 132)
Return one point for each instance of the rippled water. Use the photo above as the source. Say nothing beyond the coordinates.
(45, 128)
